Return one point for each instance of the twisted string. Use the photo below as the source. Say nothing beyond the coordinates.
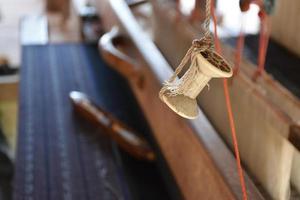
(198, 46)
(207, 18)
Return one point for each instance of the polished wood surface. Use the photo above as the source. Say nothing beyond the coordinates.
(200, 162)
(263, 138)
(116, 130)
(123, 63)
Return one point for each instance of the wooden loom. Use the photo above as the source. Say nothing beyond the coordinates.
(264, 147)
(262, 138)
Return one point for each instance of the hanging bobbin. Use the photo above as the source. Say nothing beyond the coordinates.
(180, 94)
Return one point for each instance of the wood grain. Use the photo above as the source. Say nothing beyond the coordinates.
(262, 124)
(200, 162)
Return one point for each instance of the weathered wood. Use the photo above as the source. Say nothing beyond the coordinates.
(262, 125)
(195, 163)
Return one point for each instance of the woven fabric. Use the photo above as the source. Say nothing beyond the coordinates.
(58, 156)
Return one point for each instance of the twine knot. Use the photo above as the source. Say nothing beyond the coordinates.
(199, 45)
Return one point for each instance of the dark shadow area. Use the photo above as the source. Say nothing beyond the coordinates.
(6, 170)
(282, 64)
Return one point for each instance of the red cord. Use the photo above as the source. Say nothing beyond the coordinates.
(263, 45)
(229, 111)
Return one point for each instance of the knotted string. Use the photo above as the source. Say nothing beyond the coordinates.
(207, 18)
(198, 46)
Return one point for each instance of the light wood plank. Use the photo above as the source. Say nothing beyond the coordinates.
(259, 139)
(286, 24)
(196, 155)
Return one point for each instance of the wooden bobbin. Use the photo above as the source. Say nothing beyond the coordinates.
(181, 95)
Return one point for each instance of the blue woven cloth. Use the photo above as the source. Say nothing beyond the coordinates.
(58, 156)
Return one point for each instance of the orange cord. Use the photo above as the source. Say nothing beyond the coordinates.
(263, 45)
(229, 110)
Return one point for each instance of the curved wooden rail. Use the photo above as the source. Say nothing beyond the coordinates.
(123, 135)
(121, 62)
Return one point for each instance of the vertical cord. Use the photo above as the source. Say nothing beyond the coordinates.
(234, 139)
(207, 18)
(217, 43)
(230, 114)
(263, 45)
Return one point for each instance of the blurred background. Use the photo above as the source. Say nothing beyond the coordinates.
(32, 23)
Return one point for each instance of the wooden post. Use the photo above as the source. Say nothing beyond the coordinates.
(260, 146)
(60, 6)
(198, 12)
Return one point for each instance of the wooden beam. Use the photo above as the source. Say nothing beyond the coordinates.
(60, 6)
(194, 152)
(262, 137)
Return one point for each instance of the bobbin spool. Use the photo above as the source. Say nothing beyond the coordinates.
(180, 95)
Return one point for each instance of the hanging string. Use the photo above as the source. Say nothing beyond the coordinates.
(217, 44)
(263, 44)
(207, 18)
(198, 46)
(230, 113)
